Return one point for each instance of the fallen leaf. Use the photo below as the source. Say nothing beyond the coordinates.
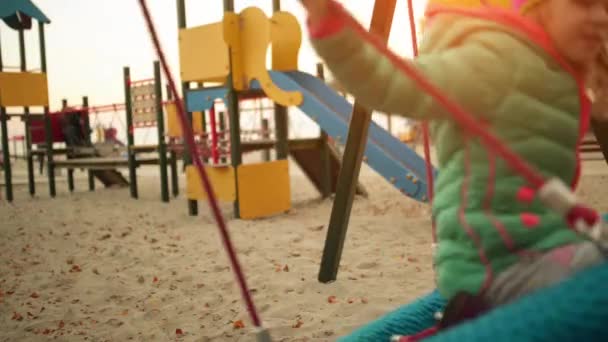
(298, 324)
(364, 300)
(125, 312)
(155, 280)
(17, 317)
(332, 299)
(286, 268)
(238, 324)
(412, 259)
(350, 301)
(61, 324)
(34, 295)
(178, 331)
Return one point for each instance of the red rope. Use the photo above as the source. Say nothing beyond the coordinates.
(430, 180)
(196, 159)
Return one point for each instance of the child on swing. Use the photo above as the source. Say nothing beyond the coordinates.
(522, 73)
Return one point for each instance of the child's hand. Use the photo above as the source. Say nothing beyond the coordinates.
(317, 9)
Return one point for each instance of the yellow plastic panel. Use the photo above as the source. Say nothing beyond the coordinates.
(250, 47)
(286, 38)
(203, 54)
(222, 181)
(23, 89)
(197, 122)
(232, 37)
(264, 189)
(174, 130)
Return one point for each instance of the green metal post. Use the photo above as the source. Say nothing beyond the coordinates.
(222, 137)
(87, 125)
(326, 179)
(281, 116)
(48, 133)
(235, 123)
(130, 136)
(6, 157)
(8, 177)
(64, 106)
(160, 124)
(382, 18)
(26, 112)
(173, 159)
(181, 23)
(265, 135)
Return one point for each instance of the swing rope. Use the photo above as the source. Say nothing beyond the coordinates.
(202, 173)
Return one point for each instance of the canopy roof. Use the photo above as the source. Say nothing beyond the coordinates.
(18, 14)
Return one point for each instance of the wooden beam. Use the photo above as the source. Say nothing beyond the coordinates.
(382, 19)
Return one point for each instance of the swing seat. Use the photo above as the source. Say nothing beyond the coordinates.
(573, 310)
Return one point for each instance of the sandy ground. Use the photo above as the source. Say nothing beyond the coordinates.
(102, 267)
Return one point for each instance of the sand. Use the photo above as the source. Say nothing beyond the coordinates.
(102, 267)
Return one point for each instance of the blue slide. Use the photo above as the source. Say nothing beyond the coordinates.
(386, 154)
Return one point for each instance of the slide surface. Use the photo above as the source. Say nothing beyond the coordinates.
(388, 156)
(385, 153)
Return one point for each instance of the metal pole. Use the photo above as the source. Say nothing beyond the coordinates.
(181, 23)
(160, 124)
(382, 18)
(222, 137)
(48, 131)
(281, 115)
(326, 179)
(87, 124)
(130, 136)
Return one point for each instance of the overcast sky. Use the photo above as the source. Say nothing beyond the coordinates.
(89, 41)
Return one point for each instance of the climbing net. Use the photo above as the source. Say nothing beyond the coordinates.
(553, 193)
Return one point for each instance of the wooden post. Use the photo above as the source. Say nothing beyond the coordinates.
(130, 135)
(326, 179)
(382, 19)
(87, 124)
(181, 23)
(160, 125)
(281, 115)
(48, 132)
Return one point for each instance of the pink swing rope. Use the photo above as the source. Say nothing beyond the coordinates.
(197, 160)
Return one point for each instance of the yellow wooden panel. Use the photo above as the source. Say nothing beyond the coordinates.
(264, 189)
(286, 38)
(222, 181)
(23, 89)
(197, 122)
(203, 54)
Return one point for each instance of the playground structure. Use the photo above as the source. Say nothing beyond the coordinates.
(240, 44)
(22, 88)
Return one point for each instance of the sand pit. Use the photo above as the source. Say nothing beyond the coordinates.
(101, 267)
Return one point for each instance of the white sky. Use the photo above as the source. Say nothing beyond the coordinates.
(89, 41)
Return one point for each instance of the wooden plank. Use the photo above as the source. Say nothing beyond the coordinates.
(382, 19)
(102, 163)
